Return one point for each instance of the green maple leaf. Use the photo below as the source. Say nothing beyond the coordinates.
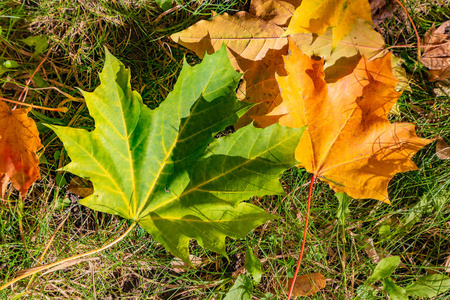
(163, 168)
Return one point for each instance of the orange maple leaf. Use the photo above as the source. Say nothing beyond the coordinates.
(19, 141)
(349, 142)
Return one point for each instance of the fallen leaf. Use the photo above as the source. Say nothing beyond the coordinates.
(340, 61)
(436, 55)
(260, 86)
(349, 142)
(316, 16)
(447, 264)
(244, 34)
(19, 141)
(180, 266)
(307, 285)
(400, 74)
(371, 251)
(382, 10)
(442, 149)
(275, 11)
(163, 168)
(442, 88)
(442, 74)
(361, 40)
(80, 186)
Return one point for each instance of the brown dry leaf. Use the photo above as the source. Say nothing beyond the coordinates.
(180, 266)
(436, 56)
(371, 251)
(442, 149)
(307, 285)
(316, 16)
(447, 264)
(349, 142)
(382, 9)
(442, 88)
(442, 74)
(245, 35)
(19, 141)
(276, 11)
(80, 186)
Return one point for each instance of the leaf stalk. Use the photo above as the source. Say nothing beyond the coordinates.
(291, 288)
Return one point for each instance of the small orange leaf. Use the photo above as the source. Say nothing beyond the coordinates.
(349, 142)
(307, 285)
(19, 140)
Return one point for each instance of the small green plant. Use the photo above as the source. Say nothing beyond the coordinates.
(426, 286)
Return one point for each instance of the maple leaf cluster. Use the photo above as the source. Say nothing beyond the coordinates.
(344, 98)
(258, 43)
(164, 170)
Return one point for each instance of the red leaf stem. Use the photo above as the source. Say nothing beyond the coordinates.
(291, 288)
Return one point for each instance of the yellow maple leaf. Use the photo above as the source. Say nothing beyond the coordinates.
(317, 15)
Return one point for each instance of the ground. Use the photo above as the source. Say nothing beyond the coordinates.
(415, 227)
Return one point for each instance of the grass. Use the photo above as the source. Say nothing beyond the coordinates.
(416, 227)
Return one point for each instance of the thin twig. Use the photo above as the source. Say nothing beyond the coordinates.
(412, 46)
(45, 267)
(41, 258)
(24, 92)
(175, 8)
(414, 27)
(60, 109)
